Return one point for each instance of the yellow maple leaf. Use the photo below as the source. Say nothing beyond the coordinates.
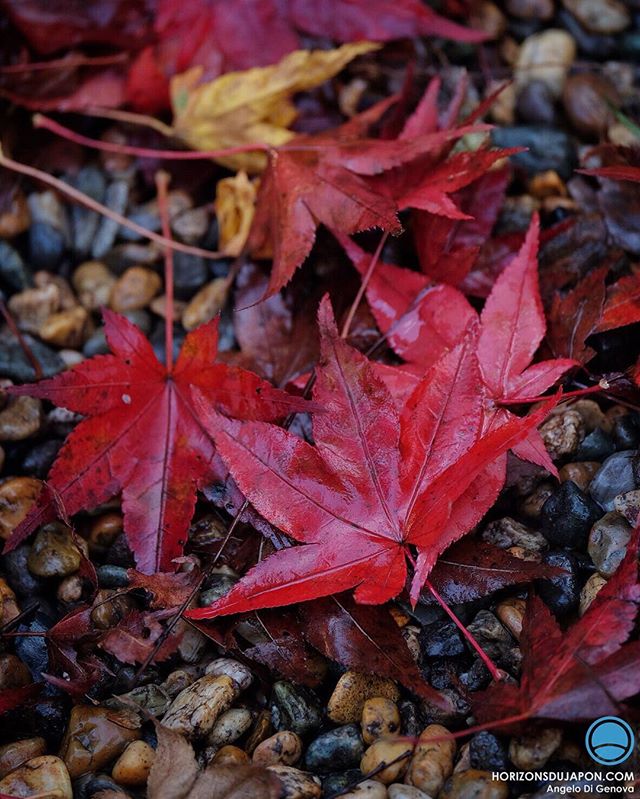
(251, 106)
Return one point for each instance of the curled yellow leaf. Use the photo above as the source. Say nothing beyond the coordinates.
(253, 106)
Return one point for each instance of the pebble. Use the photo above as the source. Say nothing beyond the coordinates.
(487, 752)
(546, 148)
(600, 16)
(297, 784)
(352, 691)
(134, 289)
(441, 639)
(42, 776)
(196, 709)
(8, 606)
(507, 532)
(531, 504)
(110, 576)
(586, 98)
(340, 748)
(535, 104)
(54, 553)
(581, 473)
(70, 589)
(284, 748)
(13, 672)
(229, 726)
(487, 17)
(110, 608)
(472, 784)
(238, 672)
(546, 56)
(608, 541)
(531, 752)
(400, 791)
(15, 754)
(67, 328)
(84, 222)
(628, 504)
(151, 697)
(206, 304)
(596, 446)
(95, 736)
(103, 532)
(18, 575)
(191, 225)
(190, 273)
(93, 283)
(295, 708)
(386, 751)
(134, 764)
(32, 307)
(15, 365)
(560, 593)
(590, 591)
(17, 495)
(432, 761)
(568, 515)
(614, 477)
(15, 217)
(13, 271)
(46, 246)
(20, 419)
(511, 614)
(68, 300)
(492, 636)
(380, 718)
(32, 649)
(368, 789)
(230, 756)
(530, 9)
(626, 431)
(115, 198)
(562, 433)
(46, 718)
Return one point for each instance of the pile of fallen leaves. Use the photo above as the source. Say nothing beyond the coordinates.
(367, 417)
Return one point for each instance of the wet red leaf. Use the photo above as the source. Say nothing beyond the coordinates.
(384, 482)
(143, 435)
(575, 315)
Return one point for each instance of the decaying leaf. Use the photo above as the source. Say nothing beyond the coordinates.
(253, 106)
(175, 775)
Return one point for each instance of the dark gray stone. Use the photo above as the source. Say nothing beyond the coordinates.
(567, 516)
(546, 148)
(487, 752)
(14, 363)
(560, 593)
(614, 477)
(110, 576)
(13, 272)
(596, 446)
(115, 198)
(441, 639)
(335, 750)
(295, 708)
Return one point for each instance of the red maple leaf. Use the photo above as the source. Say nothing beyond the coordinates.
(144, 436)
(376, 487)
(580, 674)
(420, 324)
(329, 179)
(575, 315)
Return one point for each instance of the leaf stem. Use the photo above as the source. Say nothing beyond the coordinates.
(41, 121)
(363, 285)
(162, 186)
(603, 385)
(24, 345)
(93, 205)
(496, 673)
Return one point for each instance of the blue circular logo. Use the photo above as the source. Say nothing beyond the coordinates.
(610, 740)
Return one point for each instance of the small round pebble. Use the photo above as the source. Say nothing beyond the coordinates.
(590, 591)
(237, 671)
(352, 691)
(394, 753)
(380, 718)
(230, 756)
(432, 760)
(134, 764)
(284, 748)
(41, 776)
(297, 784)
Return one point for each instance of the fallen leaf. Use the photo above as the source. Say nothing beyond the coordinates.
(134, 638)
(575, 315)
(364, 638)
(577, 675)
(253, 106)
(235, 206)
(167, 590)
(381, 482)
(473, 569)
(143, 436)
(175, 775)
(622, 306)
